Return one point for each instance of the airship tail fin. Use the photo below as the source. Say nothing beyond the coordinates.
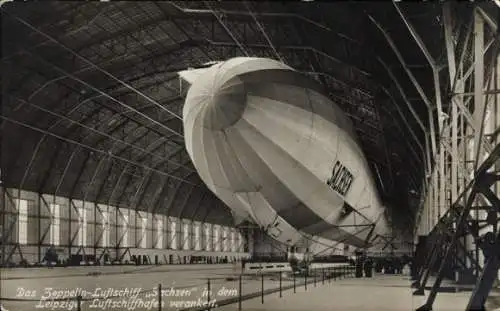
(191, 74)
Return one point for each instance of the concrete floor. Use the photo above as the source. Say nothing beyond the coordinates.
(383, 292)
(35, 284)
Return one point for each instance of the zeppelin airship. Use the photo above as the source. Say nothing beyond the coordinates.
(276, 150)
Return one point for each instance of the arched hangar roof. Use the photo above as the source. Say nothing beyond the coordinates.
(92, 101)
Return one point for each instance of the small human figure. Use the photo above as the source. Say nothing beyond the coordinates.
(368, 267)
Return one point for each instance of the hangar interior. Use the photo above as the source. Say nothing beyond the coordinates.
(93, 160)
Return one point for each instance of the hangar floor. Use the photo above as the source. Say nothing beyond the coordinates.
(35, 285)
(381, 293)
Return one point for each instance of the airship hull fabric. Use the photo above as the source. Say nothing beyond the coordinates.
(270, 145)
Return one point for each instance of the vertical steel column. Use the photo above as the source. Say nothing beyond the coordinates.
(430, 188)
(96, 240)
(455, 158)
(136, 244)
(479, 105)
(208, 293)
(442, 180)
(239, 292)
(427, 210)
(4, 225)
(262, 288)
(154, 232)
(294, 286)
(440, 150)
(432, 198)
(450, 50)
(435, 177)
(69, 227)
(478, 102)
(495, 139)
(39, 237)
(117, 235)
(281, 295)
(160, 294)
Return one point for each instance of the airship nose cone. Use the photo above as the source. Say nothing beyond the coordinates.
(224, 106)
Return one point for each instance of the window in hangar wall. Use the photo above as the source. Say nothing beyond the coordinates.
(233, 241)
(124, 241)
(144, 240)
(55, 224)
(159, 233)
(173, 234)
(185, 236)
(105, 229)
(197, 236)
(216, 238)
(209, 238)
(82, 222)
(22, 221)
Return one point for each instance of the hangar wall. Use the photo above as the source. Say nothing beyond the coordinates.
(456, 148)
(466, 134)
(31, 223)
(439, 200)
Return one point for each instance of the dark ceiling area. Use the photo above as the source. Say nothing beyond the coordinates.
(92, 103)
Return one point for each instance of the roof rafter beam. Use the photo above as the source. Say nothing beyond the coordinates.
(108, 74)
(403, 63)
(106, 95)
(97, 40)
(403, 95)
(264, 15)
(116, 140)
(102, 152)
(407, 125)
(207, 13)
(291, 48)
